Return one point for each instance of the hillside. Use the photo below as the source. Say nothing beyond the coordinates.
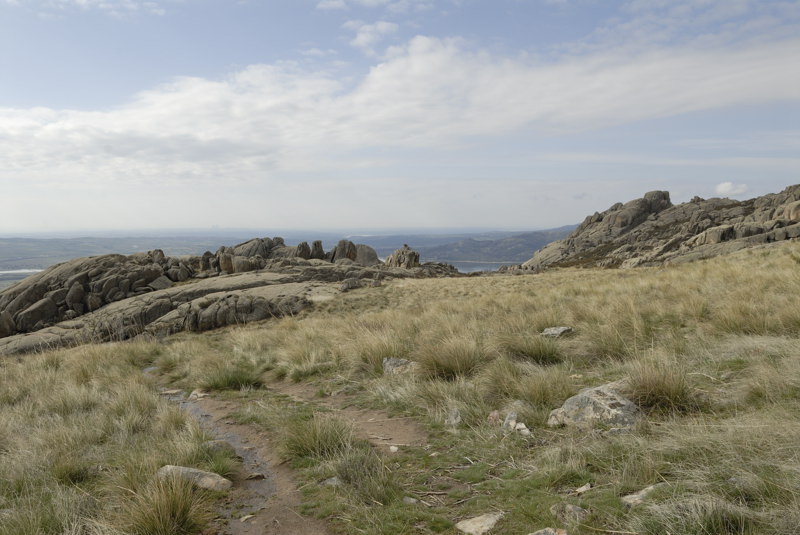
(652, 231)
(430, 406)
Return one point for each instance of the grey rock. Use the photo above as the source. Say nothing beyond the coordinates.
(480, 524)
(7, 325)
(303, 250)
(405, 257)
(638, 498)
(350, 284)
(602, 405)
(317, 252)
(453, 417)
(510, 421)
(75, 295)
(567, 513)
(398, 366)
(344, 249)
(408, 500)
(332, 482)
(43, 310)
(549, 531)
(199, 478)
(160, 283)
(366, 255)
(557, 332)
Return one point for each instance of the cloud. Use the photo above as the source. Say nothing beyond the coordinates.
(430, 93)
(369, 35)
(729, 189)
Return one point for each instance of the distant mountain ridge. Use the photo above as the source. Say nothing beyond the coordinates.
(512, 249)
(652, 231)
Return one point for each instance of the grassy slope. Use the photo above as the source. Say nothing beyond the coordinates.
(710, 349)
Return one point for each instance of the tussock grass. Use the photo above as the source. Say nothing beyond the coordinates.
(451, 357)
(165, 507)
(661, 386)
(321, 436)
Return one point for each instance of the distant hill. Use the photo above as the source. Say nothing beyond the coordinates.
(511, 249)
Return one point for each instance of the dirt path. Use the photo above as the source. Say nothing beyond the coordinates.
(265, 498)
(376, 426)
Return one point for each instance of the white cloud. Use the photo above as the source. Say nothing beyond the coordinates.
(729, 189)
(369, 35)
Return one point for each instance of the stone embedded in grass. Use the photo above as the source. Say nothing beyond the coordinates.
(350, 284)
(549, 531)
(332, 482)
(480, 524)
(557, 332)
(638, 498)
(197, 394)
(568, 513)
(398, 366)
(199, 478)
(603, 405)
(453, 418)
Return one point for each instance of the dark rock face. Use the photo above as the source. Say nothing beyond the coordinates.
(651, 231)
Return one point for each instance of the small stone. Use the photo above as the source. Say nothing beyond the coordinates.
(568, 513)
(520, 426)
(638, 498)
(525, 432)
(245, 518)
(255, 476)
(200, 478)
(332, 482)
(197, 394)
(494, 417)
(557, 332)
(582, 490)
(394, 449)
(408, 500)
(550, 531)
(453, 418)
(397, 366)
(511, 421)
(480, 524)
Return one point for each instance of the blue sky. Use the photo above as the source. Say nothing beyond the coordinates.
(369, 114)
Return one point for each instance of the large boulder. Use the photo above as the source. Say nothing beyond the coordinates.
(366, 255)
(602, 405)
(7, 325)
(345, 249)
(405, 257)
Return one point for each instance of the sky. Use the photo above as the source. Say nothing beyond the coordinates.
(387, 114)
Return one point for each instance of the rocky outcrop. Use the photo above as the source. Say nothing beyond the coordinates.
(117, 297)
(652, 231)
(405, 257)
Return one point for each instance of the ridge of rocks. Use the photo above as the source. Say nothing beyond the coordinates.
(653, 231)
(117, 297)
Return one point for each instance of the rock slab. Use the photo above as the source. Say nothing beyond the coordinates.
(601, 405)
(199, 478)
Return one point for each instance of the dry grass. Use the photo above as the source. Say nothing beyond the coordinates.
(710, 351)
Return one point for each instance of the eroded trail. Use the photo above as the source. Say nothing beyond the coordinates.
(264, 498)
